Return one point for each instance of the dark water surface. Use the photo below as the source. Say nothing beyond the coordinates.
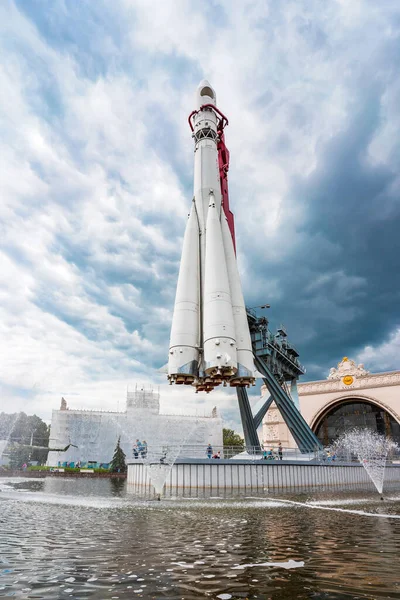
(73, 538)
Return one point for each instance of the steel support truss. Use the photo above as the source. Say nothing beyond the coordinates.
(305, 439)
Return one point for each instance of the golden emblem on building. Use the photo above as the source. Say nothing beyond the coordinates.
(347, 380)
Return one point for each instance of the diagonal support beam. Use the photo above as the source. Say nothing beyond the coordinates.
(263, 410)
(306, 440)
(249, 429)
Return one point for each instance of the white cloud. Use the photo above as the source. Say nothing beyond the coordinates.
(96, 172)
(382, 357)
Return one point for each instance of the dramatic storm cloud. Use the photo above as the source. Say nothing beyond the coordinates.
(96, 182)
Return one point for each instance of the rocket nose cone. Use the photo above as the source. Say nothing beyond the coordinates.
(204, 83)
(205, 93)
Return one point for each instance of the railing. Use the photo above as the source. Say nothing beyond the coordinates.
(164, 453)
(167, 453)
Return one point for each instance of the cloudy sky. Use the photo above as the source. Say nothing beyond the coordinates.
(96, 181)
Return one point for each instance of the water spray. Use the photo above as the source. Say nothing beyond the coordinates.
(371, 450)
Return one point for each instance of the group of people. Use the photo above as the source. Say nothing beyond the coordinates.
(267, 454)
(140, 449)
(210, 454)
(330, 456)
(270, 454)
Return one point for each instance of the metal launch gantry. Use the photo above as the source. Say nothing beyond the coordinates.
(275, 358)
(277, 361)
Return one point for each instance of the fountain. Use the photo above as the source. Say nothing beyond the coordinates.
(371, 450)
(158, 466)
(160, 460)
(194, 474)
(5, 436)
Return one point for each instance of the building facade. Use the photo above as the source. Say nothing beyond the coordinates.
(93, 435)
(350, 397)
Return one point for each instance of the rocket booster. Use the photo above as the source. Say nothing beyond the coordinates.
(210, 340)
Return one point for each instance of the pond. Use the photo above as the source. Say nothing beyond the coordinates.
(75, 538)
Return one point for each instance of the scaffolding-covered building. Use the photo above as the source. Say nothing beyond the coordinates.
(95, 433)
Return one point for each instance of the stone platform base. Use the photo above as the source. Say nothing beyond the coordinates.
(197, 477)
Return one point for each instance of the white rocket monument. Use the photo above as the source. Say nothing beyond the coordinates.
(210, 340)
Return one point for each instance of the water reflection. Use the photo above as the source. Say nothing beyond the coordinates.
(118, 487)
(89, 539)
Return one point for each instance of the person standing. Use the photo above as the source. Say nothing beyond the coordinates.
(209, 451)
(139, 446)
(144, 449)
(280, 451)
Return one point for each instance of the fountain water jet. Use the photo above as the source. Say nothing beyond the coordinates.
(5, 443)
(159, 461)
(371, 450)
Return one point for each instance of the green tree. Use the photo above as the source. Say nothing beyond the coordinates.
(24, 429)
(233, 442)
(118, 464)
(28, 436)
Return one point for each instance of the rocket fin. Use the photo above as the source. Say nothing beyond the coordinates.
(246, 368)
(185, 330)
(218, 324)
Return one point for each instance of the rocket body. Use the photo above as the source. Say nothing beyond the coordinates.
(210, 340)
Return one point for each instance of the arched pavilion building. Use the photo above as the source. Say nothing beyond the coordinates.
(349, 397)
